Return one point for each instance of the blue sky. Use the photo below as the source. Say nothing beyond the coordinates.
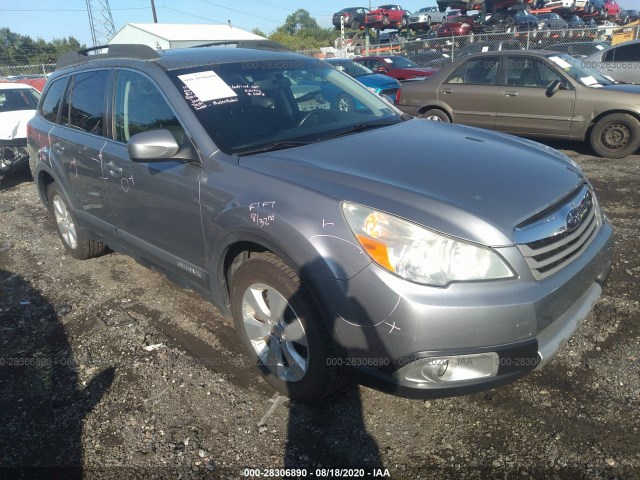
(48, 19)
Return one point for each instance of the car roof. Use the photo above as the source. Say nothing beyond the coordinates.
(8, 85)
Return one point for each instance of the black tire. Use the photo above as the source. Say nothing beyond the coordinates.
(404, 22)
(355, 24)
(345, 103)
(74, 240)
(616, 136)
(266, 271)
(386, 21)
(589, 8)
(436, 115)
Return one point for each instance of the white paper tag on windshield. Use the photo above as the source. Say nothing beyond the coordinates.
(207, 86)
(560, 62)
(599, 47)
(485, 48)
(388, 60)
(588, 81)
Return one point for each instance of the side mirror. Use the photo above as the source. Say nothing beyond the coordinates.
(553, 88)
(152, 146)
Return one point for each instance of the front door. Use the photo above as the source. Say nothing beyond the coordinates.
(523, 104)
(155, 205)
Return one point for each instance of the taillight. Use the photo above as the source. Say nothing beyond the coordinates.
(398, 97)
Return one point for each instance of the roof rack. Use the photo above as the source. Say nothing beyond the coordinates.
(255, 44)
(135, 51)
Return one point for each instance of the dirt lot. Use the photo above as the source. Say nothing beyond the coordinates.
(108, 365)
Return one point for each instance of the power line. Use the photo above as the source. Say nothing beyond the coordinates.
(241, 11)
(291, 9)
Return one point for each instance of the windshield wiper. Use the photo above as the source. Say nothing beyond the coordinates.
(361, 127)
(273, 146)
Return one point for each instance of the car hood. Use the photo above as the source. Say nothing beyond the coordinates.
(377, 80)
(623, 87)
(463, 181)
(14, 124)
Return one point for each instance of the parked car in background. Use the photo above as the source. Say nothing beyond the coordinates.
(18, 103)
(458, 26)
(387, 16)
(395, 66)
(423, 259)
(451, 14)
(578, 49)
(551, 21)
(424, 57)
(628, 16)
(575, 22)
(531, 93)
(612, 9)
(35, 81)
(620, 62)
(423, 18)
(383, 85)
(511, 20)
(353, 17)
(353, 42)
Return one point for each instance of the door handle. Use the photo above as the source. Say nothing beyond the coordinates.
(510, 94)
(58, 148)
(447, 91)
(113, 170)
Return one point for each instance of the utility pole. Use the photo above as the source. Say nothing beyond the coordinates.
(153, 9)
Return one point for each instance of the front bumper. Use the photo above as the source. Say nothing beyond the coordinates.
(383, 323)
(13, 154)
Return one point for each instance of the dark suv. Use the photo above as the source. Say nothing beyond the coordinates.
(353, 17)
(335, 238)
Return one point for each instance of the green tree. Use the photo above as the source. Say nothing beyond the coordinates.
(301, 31)
(257, 31)
(17, 49)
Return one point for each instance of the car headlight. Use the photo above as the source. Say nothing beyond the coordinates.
(465, 24)
(418, 254)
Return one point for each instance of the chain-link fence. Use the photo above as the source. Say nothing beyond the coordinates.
(430, 50)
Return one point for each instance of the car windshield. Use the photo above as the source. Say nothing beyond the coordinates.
(18, 99)
(351, 68)
(265, 105)
(401, 62)
(576, 70)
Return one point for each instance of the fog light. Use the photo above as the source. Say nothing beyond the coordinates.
(434, 371)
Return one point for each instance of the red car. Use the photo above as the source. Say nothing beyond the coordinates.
(458, 26)
(387, 16)
(395, 66)
(612, 9)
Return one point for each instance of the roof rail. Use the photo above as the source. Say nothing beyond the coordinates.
(255, 44)
(136, 51)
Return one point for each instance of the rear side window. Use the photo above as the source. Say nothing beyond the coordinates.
(51, 102)
(86, 109)
(628, 53)
(480, 71)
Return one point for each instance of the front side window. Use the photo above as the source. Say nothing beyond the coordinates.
(139, 107)
(529, 72)
(251, 106)
(478, 71)
(53, 97)
(86, 105)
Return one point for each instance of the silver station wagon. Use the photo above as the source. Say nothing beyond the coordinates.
(419, 258)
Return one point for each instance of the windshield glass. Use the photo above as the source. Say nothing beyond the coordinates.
(401, 62)
(252, 105)
(577, 70)
(18, 99)
(351, 68)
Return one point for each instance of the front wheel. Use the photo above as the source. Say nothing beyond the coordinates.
(436, 115)
(281, 328)
(616, 136)
(74, 240)
(385, 21)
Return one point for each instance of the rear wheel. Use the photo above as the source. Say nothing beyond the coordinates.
(616, 136)
(73, 239)
(355, 24)
(281, 328)
(435, 115)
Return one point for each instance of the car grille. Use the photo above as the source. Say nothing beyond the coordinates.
(556, 237)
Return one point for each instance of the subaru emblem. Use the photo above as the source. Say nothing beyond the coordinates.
(573, 219)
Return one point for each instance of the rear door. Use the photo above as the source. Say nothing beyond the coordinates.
(79, 143)
(523, 105)
(471, 92)
(156, 205)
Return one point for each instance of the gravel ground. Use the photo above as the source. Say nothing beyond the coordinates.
(109, 367)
